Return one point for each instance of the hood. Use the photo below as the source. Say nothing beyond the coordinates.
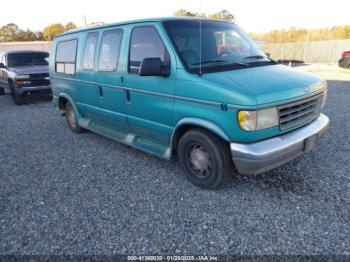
(268, 84)
(24, 70)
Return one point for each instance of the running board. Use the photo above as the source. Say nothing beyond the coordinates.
(126, 138)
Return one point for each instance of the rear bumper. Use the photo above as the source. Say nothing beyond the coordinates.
(262, 156)
(33, 90)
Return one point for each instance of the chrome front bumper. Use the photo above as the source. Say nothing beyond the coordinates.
(262, 156)
(33, 89)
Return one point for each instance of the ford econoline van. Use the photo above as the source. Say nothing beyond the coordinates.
(193, 88)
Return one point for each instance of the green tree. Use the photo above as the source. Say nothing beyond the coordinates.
(183, 12)
(9, 32)
(224, 15)
(52, 30)
(70, 26)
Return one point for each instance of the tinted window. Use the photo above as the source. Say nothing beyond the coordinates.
(89, 51)
(66, 56)
(145, 43)
(27, 59)
(109, 50)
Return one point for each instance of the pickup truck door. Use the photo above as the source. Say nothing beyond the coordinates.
(2, 79)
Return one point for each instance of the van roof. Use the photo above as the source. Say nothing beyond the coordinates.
(159, 19)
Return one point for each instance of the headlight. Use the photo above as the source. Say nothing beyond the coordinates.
(22, 76)
(22, 82)
(258, 119)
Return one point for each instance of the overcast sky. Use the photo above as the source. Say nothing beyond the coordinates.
(253, 16)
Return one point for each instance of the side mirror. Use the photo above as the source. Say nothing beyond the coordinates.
(268, 54)
(2, 65)
(152, 66)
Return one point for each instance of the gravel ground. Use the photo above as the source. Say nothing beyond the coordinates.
(63, 193)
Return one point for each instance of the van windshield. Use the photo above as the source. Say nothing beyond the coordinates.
(217, 46)
(27, 59)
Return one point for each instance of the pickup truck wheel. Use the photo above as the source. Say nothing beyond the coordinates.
(205, 159)
(72, 119)
(17, 99)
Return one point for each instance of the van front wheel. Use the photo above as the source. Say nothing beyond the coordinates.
(72, 119)
(205, 159)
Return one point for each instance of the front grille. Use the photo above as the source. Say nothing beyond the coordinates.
(39, 79)
(300, 112)
(39, 76)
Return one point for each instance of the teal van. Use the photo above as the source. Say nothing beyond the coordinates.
(196, 89)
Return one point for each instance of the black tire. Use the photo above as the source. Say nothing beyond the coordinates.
(17, 99)
(205, 158)
(72, 119)
(2, 91)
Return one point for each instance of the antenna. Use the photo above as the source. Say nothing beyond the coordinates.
(200, 37)
(85, 20)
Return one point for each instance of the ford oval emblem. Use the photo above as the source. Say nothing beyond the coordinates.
(306, 89)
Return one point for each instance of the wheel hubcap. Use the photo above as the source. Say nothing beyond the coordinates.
(199, 160)
(71, 118)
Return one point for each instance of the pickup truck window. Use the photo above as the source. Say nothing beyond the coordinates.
(145, 43)
(109, 50)
(27, 59)
(89, 51)
(66, 52)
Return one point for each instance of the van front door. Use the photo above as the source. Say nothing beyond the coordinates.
(109, 79)
(149, 99)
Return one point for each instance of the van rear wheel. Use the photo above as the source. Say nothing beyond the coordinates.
(205, 158)
(72, 119)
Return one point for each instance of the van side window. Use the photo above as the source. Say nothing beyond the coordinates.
(145, 43)
(89, 51)
(109, 50)
(66, 52)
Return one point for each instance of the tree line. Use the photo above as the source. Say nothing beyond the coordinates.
(11, 32)
(285, 35)
(299, 35)
(221, 15)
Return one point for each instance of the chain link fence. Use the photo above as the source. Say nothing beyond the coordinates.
(328, 51)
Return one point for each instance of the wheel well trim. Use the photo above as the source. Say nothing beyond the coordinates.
(71, 101)
(201, 123)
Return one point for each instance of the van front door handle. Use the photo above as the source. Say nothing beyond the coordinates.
(100, 90)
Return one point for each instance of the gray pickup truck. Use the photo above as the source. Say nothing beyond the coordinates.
(24, 73)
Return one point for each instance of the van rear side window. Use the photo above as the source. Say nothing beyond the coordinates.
(109, 50)
(89, 51)
(66, 52)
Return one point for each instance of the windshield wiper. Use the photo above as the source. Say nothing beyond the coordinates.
(255, 57)
(221, 61)
(260, 57)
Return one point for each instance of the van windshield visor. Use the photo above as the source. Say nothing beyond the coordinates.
(213, 45)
